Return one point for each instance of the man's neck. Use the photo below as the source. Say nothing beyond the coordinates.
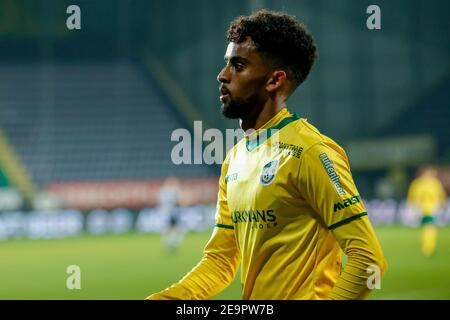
(270, 109)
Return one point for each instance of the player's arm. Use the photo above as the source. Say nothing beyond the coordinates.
(365, 258)
(412, 196)
(212, 274)
(220, 259)
(328, 185)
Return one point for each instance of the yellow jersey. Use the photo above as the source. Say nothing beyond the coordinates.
(284, 190)
(282, 195)
(427, 193)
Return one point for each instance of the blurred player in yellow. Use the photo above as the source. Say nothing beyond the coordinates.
(287, 204)
(427, 194)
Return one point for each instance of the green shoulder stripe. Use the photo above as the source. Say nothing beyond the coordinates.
(345, 221)
(225, 226)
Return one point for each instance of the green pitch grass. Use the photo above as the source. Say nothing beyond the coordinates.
(132, 266)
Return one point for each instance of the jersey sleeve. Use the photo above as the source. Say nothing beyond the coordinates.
(327, 185)
(223, 216)
(365, 260)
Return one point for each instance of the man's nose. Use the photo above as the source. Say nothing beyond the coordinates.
(223, 75)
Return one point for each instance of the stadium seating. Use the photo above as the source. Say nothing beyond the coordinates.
(89, 122)
(428, 114)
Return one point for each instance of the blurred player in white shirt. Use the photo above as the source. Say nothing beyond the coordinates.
(168, 198)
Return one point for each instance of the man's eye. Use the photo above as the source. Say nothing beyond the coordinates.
(239, 66)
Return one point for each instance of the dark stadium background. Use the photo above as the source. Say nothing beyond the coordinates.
(86, 118)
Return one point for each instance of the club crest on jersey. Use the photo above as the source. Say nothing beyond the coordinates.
(269, 172)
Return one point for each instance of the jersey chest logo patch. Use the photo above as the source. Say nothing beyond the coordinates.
(269, 172)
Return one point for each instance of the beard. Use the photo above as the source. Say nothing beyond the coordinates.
(242, 108)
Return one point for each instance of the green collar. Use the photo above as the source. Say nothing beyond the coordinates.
(257, 141)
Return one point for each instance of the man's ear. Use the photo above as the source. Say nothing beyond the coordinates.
(276, 81)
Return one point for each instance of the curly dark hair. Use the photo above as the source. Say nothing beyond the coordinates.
(279, 37)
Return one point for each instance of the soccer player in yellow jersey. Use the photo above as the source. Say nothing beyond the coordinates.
(426, 193)
(287, 204)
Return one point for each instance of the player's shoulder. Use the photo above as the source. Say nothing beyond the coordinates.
(310, 139)
(231, 153)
